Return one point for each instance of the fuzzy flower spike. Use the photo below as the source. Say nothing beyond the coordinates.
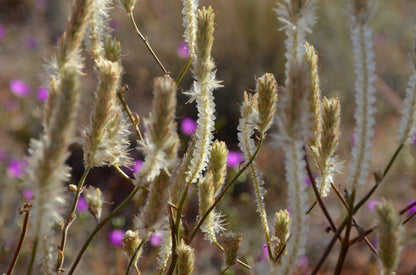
(203, 69)
(160, 141)
(297, 18)
(189, 12)
(407, 130)
(361, 36)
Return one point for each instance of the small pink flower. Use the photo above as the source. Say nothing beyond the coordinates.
(265, 252)
(155, 240)
(137, 165)
(413, 209)
(371, 204)
(183, 51)
(15, 168)
(2, 31)
(19, 88)
(82, 205)
(188, 126)
(234, 159)
(27, 194)
(116, 236)
(42, 94)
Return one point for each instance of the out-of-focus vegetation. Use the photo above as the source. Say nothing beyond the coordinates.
(247, 43)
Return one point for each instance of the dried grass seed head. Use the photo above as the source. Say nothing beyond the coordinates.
(266, 88)
(186, 258)
(231, 242)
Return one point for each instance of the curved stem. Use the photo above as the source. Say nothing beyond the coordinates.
(184, 70)
(100, 225)
(133, 121)
(146, 42)
(32, 256)
(69, 220)
(25, 209)
(133, 258)
(121, 172)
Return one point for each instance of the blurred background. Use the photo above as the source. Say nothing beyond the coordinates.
(247, 44)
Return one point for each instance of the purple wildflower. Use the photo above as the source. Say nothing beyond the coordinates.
(183, 51)
(413, 209)
(15, 168)
(155, 240)
(42, 94)
(19, 88)
(115, 236)
(137, 165)
(265, 252)
(2, 31)
(82, 205)
(371, 204)
(188, 126)
(353, 140)
(31, 43)
(414, 140)
(27, 194)
(234, 159)
(307, 181)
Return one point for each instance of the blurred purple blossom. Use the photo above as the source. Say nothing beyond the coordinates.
(413, 209)
(414, 139)
(188, 126)
(82, 205)
(115, 236)
(155, 240)
(19, 88)
(307, 181)
(371, 204)
(353, 140)
(234, 159)
(31, 43)
(183, 51)
(2, 31)
(42, 94)
(3, 155)
(114, 24)
(265, 252)
(15, 168)
(303, 265)
(137, 165)
(11, 105)
(27, 194)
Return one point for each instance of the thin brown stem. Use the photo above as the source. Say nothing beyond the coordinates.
(68, 222)
(25, 210)
(134, 121)
(317, 195)
(133, 261)
(146, 42)
(312, 207)
(184, 70)
(101, 225)
(409, 218)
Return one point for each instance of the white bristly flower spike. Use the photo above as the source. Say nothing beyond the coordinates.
(297, 17)
(203, 69)
(407, 130)
(361, 36)
(189, 13)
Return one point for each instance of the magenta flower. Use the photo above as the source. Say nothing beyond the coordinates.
(116, 236)
(27, 194)
(234, 159)
(307, 181)
(265, 252)
(371, 204)
(82, 205)
(19, 88)
(155, 240)
(2, 31)
(42, 94)
(31, 43)
(15, 168)
(183, 51)
(188, 126)
(137, 165)
(413, 209)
